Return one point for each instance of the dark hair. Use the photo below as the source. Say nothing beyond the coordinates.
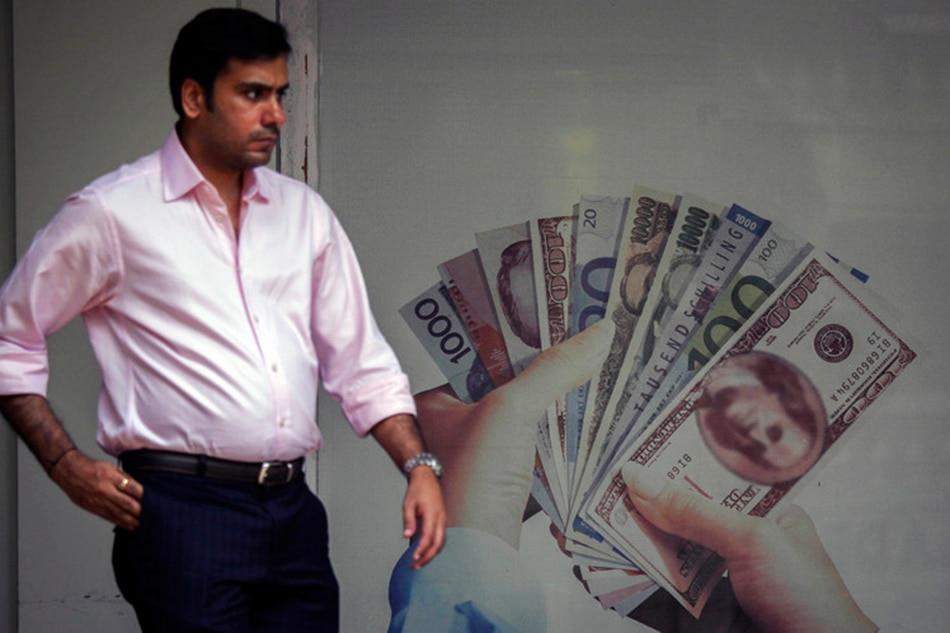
(213, 37)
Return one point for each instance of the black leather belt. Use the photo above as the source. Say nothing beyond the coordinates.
(263, 473)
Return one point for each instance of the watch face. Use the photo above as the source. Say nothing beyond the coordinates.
(434, 464)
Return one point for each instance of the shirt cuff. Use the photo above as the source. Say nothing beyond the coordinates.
(368, 405)
(23, 372)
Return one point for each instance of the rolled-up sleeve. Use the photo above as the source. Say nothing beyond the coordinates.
(73, 265)
(357, 366)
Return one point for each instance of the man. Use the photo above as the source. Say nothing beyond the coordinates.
(215, 292)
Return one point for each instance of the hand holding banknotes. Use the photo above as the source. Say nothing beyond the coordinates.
(780, 572)
(740, 356)
(487, 448)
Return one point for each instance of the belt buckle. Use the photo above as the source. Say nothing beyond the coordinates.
(263, 476)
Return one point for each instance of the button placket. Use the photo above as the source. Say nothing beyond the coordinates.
(275, 372)
(256, 317)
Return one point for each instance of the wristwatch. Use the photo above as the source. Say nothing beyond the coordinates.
(423, 459)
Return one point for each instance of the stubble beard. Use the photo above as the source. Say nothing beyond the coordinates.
(241, 159)
(250, 159)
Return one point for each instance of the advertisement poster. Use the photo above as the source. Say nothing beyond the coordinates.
(793, 118)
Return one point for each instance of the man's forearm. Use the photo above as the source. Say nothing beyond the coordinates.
(95, 486)
(400, 437)
(32, 418)
(423, 508)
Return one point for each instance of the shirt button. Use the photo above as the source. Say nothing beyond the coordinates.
(256, 319)
(273, 367)
(282, 422)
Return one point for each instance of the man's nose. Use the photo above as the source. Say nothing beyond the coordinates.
(275, 114)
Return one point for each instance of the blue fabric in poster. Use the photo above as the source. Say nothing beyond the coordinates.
(477, 584)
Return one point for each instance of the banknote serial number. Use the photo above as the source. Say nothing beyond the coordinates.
(880, 346)
(679, 466)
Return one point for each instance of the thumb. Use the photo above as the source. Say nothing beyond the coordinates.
(680, 511)
(797, 524)
(408, 519)
(561, 368)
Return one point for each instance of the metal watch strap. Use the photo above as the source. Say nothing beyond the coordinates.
(423, 459)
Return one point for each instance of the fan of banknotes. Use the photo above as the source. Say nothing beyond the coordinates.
(742, 356)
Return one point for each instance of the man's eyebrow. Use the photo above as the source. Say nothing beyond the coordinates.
(259, 85)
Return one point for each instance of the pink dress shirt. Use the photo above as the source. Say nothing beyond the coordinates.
(208, 343)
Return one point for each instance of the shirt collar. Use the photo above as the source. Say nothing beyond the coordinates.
(256, 184)
(180, 174)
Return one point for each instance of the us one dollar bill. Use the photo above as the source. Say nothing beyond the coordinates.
(756, 421)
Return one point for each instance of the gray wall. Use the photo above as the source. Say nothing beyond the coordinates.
(439, 119)
(8, 456)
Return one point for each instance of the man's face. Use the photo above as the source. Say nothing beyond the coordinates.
(763, 426)
(522, 291)
(240, 128)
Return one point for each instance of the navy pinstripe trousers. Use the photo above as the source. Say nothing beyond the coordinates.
(212, 556)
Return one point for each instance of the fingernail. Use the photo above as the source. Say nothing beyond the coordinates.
(642, 482)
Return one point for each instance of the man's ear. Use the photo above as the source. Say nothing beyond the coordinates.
(193, 99)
